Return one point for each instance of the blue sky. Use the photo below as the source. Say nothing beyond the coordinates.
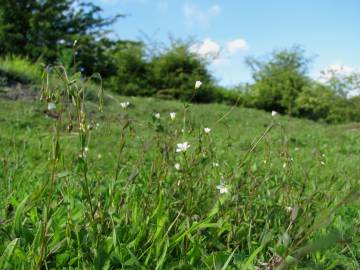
(233, 29)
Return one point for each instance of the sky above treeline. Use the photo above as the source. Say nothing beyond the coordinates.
(233, 29)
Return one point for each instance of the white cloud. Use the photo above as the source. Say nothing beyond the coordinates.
(342, 73)
(194, 15)
(335, 70)
(233, 46)
(341, 69)
(214, 10)
(207, 48)
(212, 50)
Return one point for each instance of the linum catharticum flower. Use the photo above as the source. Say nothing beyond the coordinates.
(182, 147)
(177, 166)
(85, 152)
(157, 115)
(51, 106)
(222, 188)
(125, 104)
(207, 130)
(198, 84)
(273, 113)
(172, 115)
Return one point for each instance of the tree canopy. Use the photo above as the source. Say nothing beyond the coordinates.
(279, 79)
(46, 29)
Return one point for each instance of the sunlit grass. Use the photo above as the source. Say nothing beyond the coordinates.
(21, 69)
(152, 184)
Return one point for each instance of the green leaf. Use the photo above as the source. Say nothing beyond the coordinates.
(228, 260)
(9, 250)
(18, 216)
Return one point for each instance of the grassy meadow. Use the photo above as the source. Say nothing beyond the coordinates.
(83, 189)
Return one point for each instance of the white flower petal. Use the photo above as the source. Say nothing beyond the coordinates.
(51, 106)
(207, 130)
(198, 84)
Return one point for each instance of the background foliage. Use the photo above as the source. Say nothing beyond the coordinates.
(45, 32)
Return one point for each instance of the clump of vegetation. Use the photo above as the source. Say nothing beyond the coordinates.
(281, 83)
(169, 74)
(35, 31)
(154, 185)
(21, 69)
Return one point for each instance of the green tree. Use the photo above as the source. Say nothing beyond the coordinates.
(343, 83)
(44, 29)
(279, 79)
(131, 76)
(175, 70)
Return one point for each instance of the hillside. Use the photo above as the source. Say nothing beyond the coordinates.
(296, 186)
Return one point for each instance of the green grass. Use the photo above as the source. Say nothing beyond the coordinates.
(125, 206)
(20, 69)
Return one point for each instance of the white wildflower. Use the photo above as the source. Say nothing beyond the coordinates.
(273, 113)
(51, 106)
(82, 127)
(172, 115)
(125, 104)
(177, 166)
(182, 147)
(207, 130)
(222, 189)
(198, 84)
(157, 115)
(84, 152)
(288, 209)
(215, 164)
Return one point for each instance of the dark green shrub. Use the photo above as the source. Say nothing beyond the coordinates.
(176, 70)
(315, 102)
(279, 79)
(319, 102)
(20, 69)
(131, 75)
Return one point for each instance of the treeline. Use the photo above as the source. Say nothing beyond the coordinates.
(282, 83)
(75, 34)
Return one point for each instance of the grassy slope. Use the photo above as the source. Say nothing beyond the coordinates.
(322, 162)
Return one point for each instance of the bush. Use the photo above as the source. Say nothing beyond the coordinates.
(279, 79)
(178, 68)
(170, 74)
(319, 102)
(315, 102)
(131, 76)
(20, 69)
